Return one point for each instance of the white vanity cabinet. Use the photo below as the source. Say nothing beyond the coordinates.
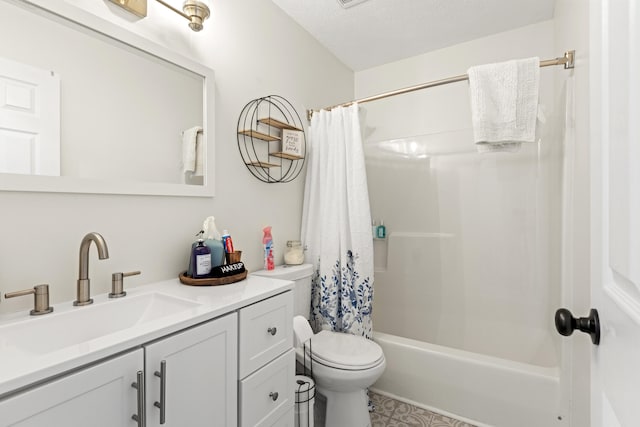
(223, 359)
(190, 376)
(97, 396)
(199, 382)
(266, 362)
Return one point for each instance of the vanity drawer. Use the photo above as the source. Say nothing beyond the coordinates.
(259, 403)
(287, 420)
(266, 331)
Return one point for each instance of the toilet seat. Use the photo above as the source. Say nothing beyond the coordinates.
(344, 351)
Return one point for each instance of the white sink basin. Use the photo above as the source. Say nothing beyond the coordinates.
(80, 325)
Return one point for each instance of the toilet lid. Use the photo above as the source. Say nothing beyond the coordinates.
(345, 351)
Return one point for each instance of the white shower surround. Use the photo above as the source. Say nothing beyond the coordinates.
(464, 313)
(479, 268)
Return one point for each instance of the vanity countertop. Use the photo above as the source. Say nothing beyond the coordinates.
(29, 353)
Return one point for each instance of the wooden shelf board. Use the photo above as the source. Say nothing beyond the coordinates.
(254, 134)
(278, 124)
(286, 156)
(263, 165)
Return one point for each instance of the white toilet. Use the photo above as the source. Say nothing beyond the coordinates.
(343, 365)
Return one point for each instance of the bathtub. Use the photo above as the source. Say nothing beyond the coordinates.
(483, 390)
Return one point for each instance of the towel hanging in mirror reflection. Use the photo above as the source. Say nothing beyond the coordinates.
(193, 151)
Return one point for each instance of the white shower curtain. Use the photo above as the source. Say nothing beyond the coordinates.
(336, 224)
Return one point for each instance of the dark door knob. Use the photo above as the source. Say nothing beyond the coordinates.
(566, 324)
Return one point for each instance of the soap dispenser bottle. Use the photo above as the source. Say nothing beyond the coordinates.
(201, 260)
(191, 252)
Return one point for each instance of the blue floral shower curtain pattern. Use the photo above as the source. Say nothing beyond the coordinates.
(336, 224)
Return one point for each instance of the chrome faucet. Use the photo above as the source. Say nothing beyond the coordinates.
(83, 292)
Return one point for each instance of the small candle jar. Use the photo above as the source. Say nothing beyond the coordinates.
(294, 254)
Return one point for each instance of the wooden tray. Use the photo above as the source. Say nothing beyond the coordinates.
(212, 281)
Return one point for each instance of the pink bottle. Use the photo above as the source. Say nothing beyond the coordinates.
(267, 241)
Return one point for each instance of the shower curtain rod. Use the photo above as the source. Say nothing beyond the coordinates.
(567, 60)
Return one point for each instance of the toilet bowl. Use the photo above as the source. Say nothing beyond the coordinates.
(342, 365)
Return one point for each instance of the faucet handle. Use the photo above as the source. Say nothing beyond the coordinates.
(117, 283)
(40, 298)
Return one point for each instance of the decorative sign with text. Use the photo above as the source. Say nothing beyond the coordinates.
(292, 142)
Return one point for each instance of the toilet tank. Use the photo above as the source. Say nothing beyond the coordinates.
(301, 275)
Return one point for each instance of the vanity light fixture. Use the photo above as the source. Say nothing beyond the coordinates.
(195, 11)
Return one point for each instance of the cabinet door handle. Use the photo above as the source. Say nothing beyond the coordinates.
(273, 395)
(162, 405)
(139, 385)
(272, 330)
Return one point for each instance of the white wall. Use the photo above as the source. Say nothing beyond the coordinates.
(255, 50)
(444, 108)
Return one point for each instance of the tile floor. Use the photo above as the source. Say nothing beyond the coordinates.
(394, 413)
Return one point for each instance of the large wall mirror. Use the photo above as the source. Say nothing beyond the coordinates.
(127, 109)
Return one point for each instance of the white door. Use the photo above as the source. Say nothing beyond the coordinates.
(615, 237)
(198, 371)
(29, 120)
(99, 396)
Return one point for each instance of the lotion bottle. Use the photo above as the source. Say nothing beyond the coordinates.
(201, 260)
(191, 260)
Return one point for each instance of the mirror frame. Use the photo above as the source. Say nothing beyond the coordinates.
(68, 184)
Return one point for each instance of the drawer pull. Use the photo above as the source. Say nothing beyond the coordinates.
(139, 386)
(162, 405)
(273, 330)
(273, 395)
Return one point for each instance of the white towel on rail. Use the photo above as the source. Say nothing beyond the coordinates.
(199, 170)
(189, 149)
(504, 103)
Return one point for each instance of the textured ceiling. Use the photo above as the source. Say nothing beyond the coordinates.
(376, 32)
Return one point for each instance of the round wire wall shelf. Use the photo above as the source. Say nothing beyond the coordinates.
(271, 139)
